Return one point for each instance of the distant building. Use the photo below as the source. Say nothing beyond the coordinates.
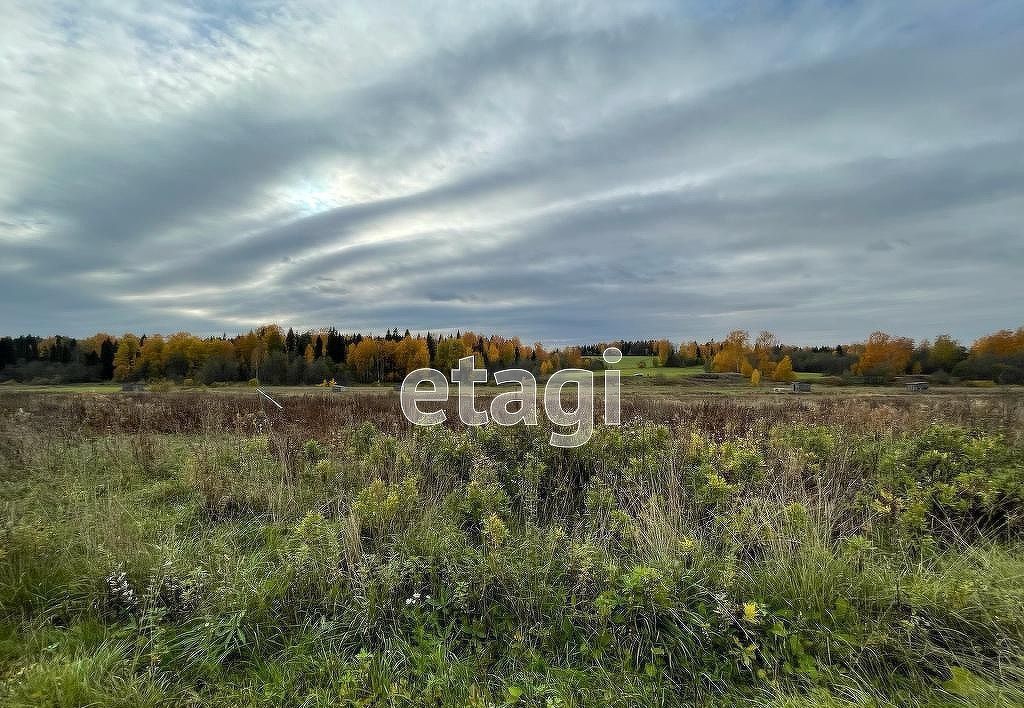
(337, 388)
(917, 386)
(133, 386)
(801, 387)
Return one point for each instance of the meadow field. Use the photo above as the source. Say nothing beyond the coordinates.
(191, 549)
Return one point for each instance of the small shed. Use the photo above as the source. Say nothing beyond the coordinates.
(917, 385)
(133, 386)
(801, 387)
(338, 388)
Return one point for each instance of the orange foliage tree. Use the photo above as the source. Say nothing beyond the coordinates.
(1002, 343)
(884, 355)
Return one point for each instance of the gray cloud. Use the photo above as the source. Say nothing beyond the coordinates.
(557, 172)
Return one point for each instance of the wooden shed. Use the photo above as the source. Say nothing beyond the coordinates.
(801, 387)
(917, 385)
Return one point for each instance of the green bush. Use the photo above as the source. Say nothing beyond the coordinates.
(785, 562)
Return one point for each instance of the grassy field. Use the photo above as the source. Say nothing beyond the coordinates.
(646, 366)
(204, 550)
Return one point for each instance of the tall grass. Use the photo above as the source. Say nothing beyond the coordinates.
(175, 550)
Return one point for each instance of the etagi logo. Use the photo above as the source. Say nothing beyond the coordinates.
(519, 405)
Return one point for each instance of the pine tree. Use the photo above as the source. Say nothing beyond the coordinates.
(107, 359)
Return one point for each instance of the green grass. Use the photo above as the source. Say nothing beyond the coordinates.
(808, 375)
(744, 555)
(646, 366)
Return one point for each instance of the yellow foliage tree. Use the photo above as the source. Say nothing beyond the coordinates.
(755, 377)
(411, 354)
(763, 346)
(664, 350)
(784, 370)
(571, 358)
(945, 353)
(688, 351)
(449, 351)
(493, 354)
(365, 357)
(732, 352)
(746, 369)
(150, 362)
(124, 358)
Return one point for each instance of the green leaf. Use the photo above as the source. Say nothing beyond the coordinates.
(961, 683)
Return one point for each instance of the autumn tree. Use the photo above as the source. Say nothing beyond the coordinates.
(128, 348)
(411, 354)
(755, 377)
(746, 369)
(493, 356)
(150, 363)
(183, 353)
(571, 358)
(732, 352)
(272, 336)
(508, 348)
(664, 351)
(1003, 343)
(365, 358)
(945, 353)
(764, 347)
(884, 356)
(688, 352)
(94, 344)
(449, 351)
(784, 370)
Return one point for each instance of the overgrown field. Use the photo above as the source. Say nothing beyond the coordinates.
(191, 550)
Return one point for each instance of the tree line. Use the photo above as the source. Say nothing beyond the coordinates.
(271, 355)
(266, 354)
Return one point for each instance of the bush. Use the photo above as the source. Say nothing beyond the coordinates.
(713, 552)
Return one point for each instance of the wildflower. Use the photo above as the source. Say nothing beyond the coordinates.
(751, 612)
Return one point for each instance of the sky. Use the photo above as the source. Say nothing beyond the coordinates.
(564, 172)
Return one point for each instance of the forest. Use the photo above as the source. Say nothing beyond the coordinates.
(271, 355)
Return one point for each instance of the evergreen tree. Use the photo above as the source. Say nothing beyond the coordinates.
(335, 346)
(107, 359)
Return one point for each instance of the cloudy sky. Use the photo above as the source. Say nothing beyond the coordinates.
(562, 171)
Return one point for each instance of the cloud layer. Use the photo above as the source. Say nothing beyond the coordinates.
(566, 172)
